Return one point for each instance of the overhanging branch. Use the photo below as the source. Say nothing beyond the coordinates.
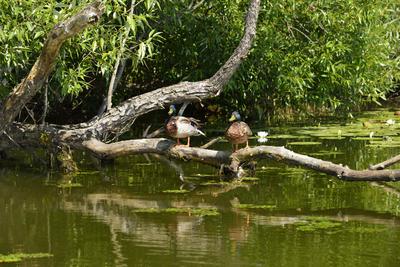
(114, 119)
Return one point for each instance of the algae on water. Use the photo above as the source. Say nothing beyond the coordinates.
(254, 206)
(315, 223)
(17, 257)
(176, 191)
(190, 211)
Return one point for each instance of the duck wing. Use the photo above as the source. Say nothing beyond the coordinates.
(192, 121)
(238, 130)
(245, 128)
(190, 125)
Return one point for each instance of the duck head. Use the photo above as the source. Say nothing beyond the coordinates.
(172, 110)
(235, 117)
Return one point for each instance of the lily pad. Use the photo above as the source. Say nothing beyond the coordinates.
(288, 136)
(326, 153)
(366, 138)
(304, 143)
(244, 179)
(87, 172)
(254, 206)
(176, 191)
(312, 224)
(215, 183)
(17, 257)
(69, 185)
(332, 138)
(190, 211)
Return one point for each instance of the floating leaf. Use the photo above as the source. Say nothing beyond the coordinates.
(304, 143)
(17, 257)
(176, 191)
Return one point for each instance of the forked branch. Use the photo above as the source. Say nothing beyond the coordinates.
(235, 160)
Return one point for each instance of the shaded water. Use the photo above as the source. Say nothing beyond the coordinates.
(288, 217)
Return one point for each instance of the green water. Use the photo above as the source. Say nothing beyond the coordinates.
(128, 214)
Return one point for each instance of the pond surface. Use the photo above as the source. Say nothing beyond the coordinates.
(137, 211)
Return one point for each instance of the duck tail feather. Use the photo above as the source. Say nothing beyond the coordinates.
(200, 132)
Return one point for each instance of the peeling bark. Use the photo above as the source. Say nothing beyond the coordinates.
(234, 162)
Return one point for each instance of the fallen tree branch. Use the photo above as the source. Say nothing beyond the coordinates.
(40, 71)
(282, 154)
(235, 160)
(161, 146)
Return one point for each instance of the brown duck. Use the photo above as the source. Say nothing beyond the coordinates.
(181, 127)
(238, 132)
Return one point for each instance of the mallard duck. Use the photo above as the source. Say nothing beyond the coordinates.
(238, 132)
(181, 127)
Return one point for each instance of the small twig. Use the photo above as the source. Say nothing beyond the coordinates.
(385, 164)
(146, 131)
(213, 141)
(30, 113)
(45, 103)
(182, 109)
(117, 67)
(156, 133)
(12, 140)
(194, 7)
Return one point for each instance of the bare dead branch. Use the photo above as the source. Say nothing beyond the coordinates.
(282, 154)
(213, 141)
(156, 133)
(118, 69)
(159, 146)
(235, 160)
(385, 164)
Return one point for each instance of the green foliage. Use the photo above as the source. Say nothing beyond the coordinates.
(90, 55)
(308, 55)
(200, 212)
(312, 224)
(333, 55)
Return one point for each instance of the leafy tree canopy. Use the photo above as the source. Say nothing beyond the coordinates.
(318, 55)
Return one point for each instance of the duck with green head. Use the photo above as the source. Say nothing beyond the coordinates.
(181, 127)
(238, 132)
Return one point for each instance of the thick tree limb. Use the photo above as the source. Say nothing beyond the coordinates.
(159, 146)
(235, 160)
(40, 71)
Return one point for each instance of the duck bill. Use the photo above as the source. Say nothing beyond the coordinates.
(232, 118)
(170, 111)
